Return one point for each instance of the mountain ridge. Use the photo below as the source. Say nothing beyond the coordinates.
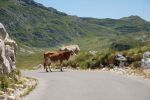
(35, 25)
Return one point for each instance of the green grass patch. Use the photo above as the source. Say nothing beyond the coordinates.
(8, 80)
(28, 61)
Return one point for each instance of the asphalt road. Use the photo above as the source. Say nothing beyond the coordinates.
(87, 85)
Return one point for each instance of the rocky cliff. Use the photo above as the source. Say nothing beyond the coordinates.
(7, 51)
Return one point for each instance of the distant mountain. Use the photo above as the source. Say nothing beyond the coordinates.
(35, 25)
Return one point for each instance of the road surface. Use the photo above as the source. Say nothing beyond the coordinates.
(87, 85)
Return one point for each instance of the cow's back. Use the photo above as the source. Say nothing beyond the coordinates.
(65, 55)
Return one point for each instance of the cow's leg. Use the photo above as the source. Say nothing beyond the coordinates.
(50, 67)
(48, 63)
(46, 68)
(61, 69)
(61, 66)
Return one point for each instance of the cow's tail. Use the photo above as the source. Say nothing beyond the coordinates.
(44, 55)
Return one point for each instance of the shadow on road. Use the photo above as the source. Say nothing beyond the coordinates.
(56, 71)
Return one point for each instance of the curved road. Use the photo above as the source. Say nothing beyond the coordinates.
(87, 85)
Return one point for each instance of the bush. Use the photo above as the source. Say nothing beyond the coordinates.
(86, 60)
(137, 57)
(4, 81)
(8, 79)
(136, 64)
(82, 60)
(18, 72)
(72, 64)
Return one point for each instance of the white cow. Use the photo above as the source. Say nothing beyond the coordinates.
(74, 48)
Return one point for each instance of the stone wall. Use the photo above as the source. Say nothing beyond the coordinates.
(7, 51)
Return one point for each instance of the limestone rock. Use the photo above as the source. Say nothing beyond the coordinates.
(120, 57)
(11, 98)
(7, 51)
(121, 60)
(145, 63)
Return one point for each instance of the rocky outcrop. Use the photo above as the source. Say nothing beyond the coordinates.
(145, 63)
(121, 60)
(7, 52)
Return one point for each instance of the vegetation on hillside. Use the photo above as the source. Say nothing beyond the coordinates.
(34, 25)
(87, 60)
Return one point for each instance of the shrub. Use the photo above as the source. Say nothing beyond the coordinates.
(7, 80)
(82, 60)
(137, 57)
(18, 72)
(72, 64)
(4, 81)
(136, 64)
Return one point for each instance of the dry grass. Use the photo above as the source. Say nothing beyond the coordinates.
(31, 88)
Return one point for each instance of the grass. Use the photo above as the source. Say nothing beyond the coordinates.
(84, 59)
(30, 88)
(28, 61)
(7, 80)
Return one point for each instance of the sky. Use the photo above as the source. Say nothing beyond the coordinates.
(101, 8)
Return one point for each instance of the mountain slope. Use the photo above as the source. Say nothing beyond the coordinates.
(32, 24)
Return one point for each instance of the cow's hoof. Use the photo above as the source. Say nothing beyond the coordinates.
(46, 70)
(61, 70)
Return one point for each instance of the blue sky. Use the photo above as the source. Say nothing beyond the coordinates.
(101, 8)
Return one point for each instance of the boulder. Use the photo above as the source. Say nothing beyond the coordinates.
(145, 62)
(146, 55)
(121, 60)
(7, 51)
(120, 57)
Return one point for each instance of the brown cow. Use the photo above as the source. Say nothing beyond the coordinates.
(53, 57)
(49, 53)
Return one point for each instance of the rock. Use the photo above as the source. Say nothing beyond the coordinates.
(105, 69)
(1, 93)
(146, 55)
(10, 90)
(11, 98)
(2, 97)
(7, 51)
(4, 63)
(145, 62)
(121, 59)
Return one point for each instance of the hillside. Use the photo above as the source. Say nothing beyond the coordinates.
(34, 25)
